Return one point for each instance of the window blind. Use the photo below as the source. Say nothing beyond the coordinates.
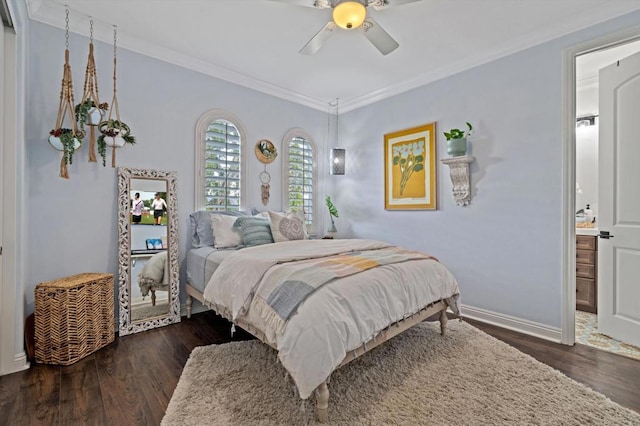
(222, 183)
(301, 183)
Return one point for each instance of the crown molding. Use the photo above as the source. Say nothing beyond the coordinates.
(52, 13)
(581, 21)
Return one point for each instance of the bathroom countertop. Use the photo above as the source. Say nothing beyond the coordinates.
(587, 231)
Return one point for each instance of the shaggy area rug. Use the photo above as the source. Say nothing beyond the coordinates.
(418, 378)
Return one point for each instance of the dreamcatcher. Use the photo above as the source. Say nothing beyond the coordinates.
(266, 153)
(90, 111)
(67, 140)
(115, 133)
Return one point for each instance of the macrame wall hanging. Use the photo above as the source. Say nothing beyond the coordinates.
(67, 140)
(90, 111)
(115, 133)
(266, 153)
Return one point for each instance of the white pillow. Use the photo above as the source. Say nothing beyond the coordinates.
(224, 235)
(287, 227)
(262, 214)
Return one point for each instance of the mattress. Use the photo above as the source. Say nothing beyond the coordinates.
(202, 263)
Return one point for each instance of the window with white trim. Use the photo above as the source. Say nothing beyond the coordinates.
(300, 179)
(219, 179)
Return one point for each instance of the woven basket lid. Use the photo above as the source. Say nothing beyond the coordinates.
(74, 280)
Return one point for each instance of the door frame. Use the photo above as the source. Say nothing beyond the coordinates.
(12, 355)
(568, 314)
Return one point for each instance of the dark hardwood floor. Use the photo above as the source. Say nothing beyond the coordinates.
(130, 381)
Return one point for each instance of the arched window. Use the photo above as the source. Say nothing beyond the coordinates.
(299, 180)
(219, 162)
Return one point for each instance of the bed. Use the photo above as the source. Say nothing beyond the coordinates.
(364, 293)
(319, 303)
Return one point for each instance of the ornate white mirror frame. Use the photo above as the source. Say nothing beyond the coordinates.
(127, 325)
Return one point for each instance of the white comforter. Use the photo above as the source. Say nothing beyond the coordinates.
(337, 318)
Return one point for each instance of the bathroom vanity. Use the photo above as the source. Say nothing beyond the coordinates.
(586, 270)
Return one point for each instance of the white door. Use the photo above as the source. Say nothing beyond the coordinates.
(619, 201)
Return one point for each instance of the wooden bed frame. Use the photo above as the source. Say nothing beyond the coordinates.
(322, 391)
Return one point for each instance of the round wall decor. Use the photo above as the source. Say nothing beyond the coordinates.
(266, 151)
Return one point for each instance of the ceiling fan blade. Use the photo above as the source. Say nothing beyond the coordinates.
(378, 37)
(320, 4)
(318, 40)
(382, 4)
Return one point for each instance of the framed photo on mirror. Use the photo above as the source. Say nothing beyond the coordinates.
(410, 169)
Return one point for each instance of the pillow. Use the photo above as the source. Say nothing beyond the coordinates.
(224, 234)
(255, 230)
(287, 227)
(201, 233)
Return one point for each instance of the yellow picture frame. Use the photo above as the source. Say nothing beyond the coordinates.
(410, 169)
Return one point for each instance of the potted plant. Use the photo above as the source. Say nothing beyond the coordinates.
(333, 212)
(88, 113)
(457, 141)
(66, 141)
(114, 133)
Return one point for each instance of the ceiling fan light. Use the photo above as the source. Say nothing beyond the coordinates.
(349, 14)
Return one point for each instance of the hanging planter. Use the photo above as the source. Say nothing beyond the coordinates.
(89, 113)
(67, 140)
(114, 134)
(64, 140)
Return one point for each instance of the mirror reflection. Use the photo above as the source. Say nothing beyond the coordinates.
(149, 266)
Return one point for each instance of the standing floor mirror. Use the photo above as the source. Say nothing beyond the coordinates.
(148, 276)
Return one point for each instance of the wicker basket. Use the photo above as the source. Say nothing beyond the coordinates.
(74, 317)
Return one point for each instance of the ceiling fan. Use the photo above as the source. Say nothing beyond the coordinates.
(351, 14)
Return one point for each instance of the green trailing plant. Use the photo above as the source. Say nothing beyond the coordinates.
(82, 111)
(457, 133)
(102, 150)
(113, 128)
(67, 139)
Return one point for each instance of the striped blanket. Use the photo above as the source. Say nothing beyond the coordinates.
(284, 288)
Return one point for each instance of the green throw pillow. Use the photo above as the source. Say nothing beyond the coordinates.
(255, 230)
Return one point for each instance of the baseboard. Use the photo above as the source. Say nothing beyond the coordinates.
(520, 325)
(19, 363)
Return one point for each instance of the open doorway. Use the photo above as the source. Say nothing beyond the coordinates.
(587, 287)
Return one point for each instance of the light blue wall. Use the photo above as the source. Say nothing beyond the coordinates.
(493, 245)
(505, 247)
(72, 223)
